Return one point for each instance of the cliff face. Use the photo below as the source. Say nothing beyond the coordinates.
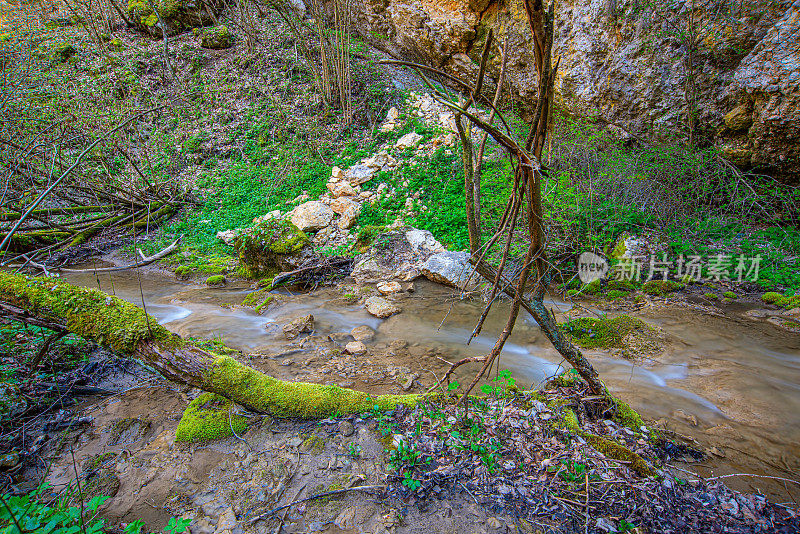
(628, 63)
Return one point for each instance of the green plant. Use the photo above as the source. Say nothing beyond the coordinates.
(771, 297)
(711, 296)
(176, 525)
(353, 450)
(501, 386)
(32, 514)
(411, 483)
(730, 295)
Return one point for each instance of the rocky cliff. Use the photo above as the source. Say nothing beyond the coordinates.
(631, 64)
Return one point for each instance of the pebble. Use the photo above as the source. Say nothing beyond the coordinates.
(346, 428)
(9, 460)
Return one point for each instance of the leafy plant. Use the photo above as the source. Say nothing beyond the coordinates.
(30, 513)
(176, 525)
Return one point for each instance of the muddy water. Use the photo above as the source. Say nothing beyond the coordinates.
(730, 383)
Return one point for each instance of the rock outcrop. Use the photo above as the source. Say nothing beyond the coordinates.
(629, 66)
(396, 254)
(451, 269)
(272, 245)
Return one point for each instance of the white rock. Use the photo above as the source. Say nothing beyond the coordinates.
(452, 269)
(355, 348)
(365, 194)
(362, 333)
(409, 140)
(342, 204)
(393, 114)
(423, 241)
(337, 173)
(274, 214)
(358, 174)
(387, 288)
(344, 189)
(227, 236)
(349, 218)
(382, 187)
(312, 215)
(380, 307)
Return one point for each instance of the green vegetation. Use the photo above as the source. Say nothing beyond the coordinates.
(730, 295)
(209, 417)
(590, 333)
(711, 296)
(216, 280)
(32, 512)
(660, 288)
(771, 297)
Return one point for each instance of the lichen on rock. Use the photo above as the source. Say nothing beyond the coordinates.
(209, 417)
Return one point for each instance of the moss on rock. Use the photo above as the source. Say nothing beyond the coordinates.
(216, 280)
(268, 246)
(209, 417)
(660, 288)
(216, 38)
(589, 332)
(771, 297)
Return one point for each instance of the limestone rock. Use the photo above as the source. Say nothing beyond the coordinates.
(227, 236)
(349, 217)
(409, 140)
(452, 269)
(344, 189)
(755, 57)
(313, 215)
(363, 333)
(337, 173)
(177, 15)
(216, 38)
(299, 326)
(395, 254)
(739, 118)
(358, 174)
(355, 348)
(380, 307)
(387, 288)
(342, 204)
(272, 245)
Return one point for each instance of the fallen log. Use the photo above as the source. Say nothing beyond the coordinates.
(126, 329)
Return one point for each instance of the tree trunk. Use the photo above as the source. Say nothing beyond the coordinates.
(125, 328)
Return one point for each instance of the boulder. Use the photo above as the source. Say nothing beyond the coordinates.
(342, 204)
(177, 15)
(380, 307)
(355, 348)
(271, 246)
(359, 174)
(409, 140)
(337, 173)
(363, 333)
(387, 288)
(313, 215)
(227, 236)
(343, 189)
(217, 38)
(393, 254)
(452, 269)
(299, 326)
(349, 218)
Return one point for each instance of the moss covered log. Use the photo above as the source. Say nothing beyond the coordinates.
(125, 328)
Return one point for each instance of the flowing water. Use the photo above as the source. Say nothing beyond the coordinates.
(729, 382)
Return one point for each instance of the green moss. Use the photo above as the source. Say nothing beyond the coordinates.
(659, 288)
(771, 297)
(593, 288)
(62, 53)
(263, 393)
(88, 313)
(589, 332)
(216, 38)
(614, 450)
(711, 296)
(254, 298)
(730, 295)
(621, 285)
(789, 302)
(572, 292)
(261, 246)
(209, 417)
(625, 415)
(216, 280)
(313, 444)
(614, 294)
(265, 303)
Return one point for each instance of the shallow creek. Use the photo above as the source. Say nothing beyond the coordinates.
(726, 381)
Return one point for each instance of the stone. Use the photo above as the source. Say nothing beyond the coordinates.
(393, 114)
(227, 236)
(359, 174)
(299, 326)
(380, 307)
(356, 348)
(343, 189)
(346, 428)
(177, 15)
(387, 288)
(395, 254)
(217, 38)
(739, 118)
(452, 269)
(313, 215)
(409, 140)
(342, 204)
(272, 245)
(274, 214)
(9, 460)
(337, 173)
(227, 520)
(363, 333)
(349, 218)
